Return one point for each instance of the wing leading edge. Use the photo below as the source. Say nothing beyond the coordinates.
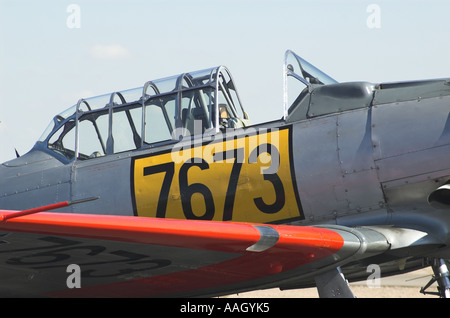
(120, 256)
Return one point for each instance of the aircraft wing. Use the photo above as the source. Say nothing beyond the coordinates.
(41, 254)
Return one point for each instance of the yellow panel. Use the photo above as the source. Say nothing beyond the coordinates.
(246, 179)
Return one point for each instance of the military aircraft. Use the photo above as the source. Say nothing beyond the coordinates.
(168, 190)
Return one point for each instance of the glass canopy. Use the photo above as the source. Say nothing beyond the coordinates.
(303, 74)
(161, 111)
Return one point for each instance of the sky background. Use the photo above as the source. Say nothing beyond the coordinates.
(54, 52)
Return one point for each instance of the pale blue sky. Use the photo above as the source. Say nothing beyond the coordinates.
(45, 66)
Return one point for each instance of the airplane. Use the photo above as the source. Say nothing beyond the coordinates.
(169, 190)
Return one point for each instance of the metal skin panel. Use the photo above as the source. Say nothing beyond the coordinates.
(412, 163)
(33, 180)
(411, 90)
(405, 127)
(336, 172)
(108, 179)
(340, 97)
(361, 188)
(354, 133)
(317, 168)
(419, 163)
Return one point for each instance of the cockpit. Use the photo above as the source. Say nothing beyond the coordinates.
(162, 111)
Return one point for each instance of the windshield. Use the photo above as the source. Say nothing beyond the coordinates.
(58, 119)
(298, 74)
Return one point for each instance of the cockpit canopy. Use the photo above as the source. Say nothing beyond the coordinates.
(162, 111)
(309, 92)
(300, 77)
